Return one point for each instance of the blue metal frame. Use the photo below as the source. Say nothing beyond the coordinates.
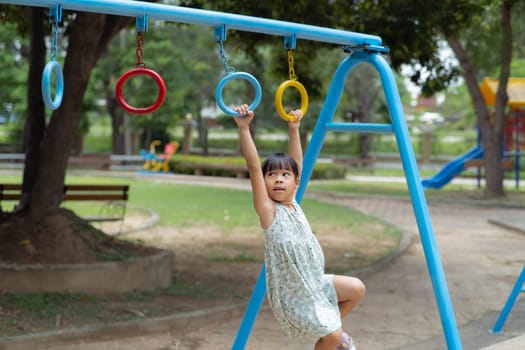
(516, 290)
(366, 49)
(209, 18)
(399, 127)
(409, 163)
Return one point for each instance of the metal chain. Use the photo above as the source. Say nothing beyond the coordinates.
(54, 38)
(139, 52)
(227, 68)
(291, 70)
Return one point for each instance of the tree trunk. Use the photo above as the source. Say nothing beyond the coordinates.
(204, 135)
(490, 128)
(493, 168)
(361, 116)
(364, 146)
(363, 100)
(89, 35)
(118, 145)
(35, 122)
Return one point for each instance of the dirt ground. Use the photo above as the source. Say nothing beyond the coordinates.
(61, 238)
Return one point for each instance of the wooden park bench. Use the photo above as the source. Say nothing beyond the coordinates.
(506, 164)
(90, 161)
(84, 161)
(113, 196)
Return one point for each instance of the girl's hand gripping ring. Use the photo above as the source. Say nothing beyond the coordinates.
(279, 99)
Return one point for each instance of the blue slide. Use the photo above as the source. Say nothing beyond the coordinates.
(452, 168)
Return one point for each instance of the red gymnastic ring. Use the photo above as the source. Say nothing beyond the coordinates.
(140, 71)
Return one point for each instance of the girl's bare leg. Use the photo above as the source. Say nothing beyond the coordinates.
(330, 341)
(350, 291)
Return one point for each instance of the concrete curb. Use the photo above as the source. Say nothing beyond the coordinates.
(185, 320)
(147, 272)
(404, 243)
(517, 225)
(511, 344)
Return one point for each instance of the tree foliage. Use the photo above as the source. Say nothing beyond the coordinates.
(413, 30)
(15, 52)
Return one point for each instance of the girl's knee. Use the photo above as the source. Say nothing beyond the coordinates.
(359, 289)
(333, 338)
(349, 288)
(356, 288)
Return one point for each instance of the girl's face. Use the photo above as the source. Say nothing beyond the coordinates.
(281, 185)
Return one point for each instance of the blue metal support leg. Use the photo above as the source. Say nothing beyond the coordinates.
(400, 129)
(518, 288)
(252, 310)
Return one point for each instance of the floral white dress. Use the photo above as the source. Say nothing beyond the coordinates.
(302, 297)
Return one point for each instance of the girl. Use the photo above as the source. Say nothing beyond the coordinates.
(302, 297)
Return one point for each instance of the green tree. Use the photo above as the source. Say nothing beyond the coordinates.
(48, 140)
(413, 31)
(15, 51)
(491, 125)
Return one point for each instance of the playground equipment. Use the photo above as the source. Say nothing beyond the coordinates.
(53, 68)
(518, 288)
(149, 156)
(140, 69)
(361, 48)
(157, 163)
(514, 141)
(292, 82)
(230, 74)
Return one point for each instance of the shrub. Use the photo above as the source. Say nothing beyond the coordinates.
(235, 167)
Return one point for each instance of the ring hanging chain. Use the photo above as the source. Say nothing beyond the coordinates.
(139, 52)
(291, 70)
(227, 68)
(54, 38)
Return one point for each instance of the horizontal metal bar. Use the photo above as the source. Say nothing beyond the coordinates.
(209, 18)
(360, 127)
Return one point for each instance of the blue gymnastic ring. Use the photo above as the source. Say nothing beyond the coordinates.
(238, 75)
(52, 67)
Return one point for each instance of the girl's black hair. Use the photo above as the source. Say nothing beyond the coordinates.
(280, 161)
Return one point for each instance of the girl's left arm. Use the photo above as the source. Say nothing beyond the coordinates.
(263, 204)
(295, 149)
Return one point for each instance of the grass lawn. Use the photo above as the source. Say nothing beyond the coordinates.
(450, 192)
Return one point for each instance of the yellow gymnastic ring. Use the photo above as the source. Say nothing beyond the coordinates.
(279, 99)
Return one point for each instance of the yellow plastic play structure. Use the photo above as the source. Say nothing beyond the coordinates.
(515, 118)
(515, 90)
(158, 163)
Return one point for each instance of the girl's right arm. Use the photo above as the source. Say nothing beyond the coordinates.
(263, 204)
